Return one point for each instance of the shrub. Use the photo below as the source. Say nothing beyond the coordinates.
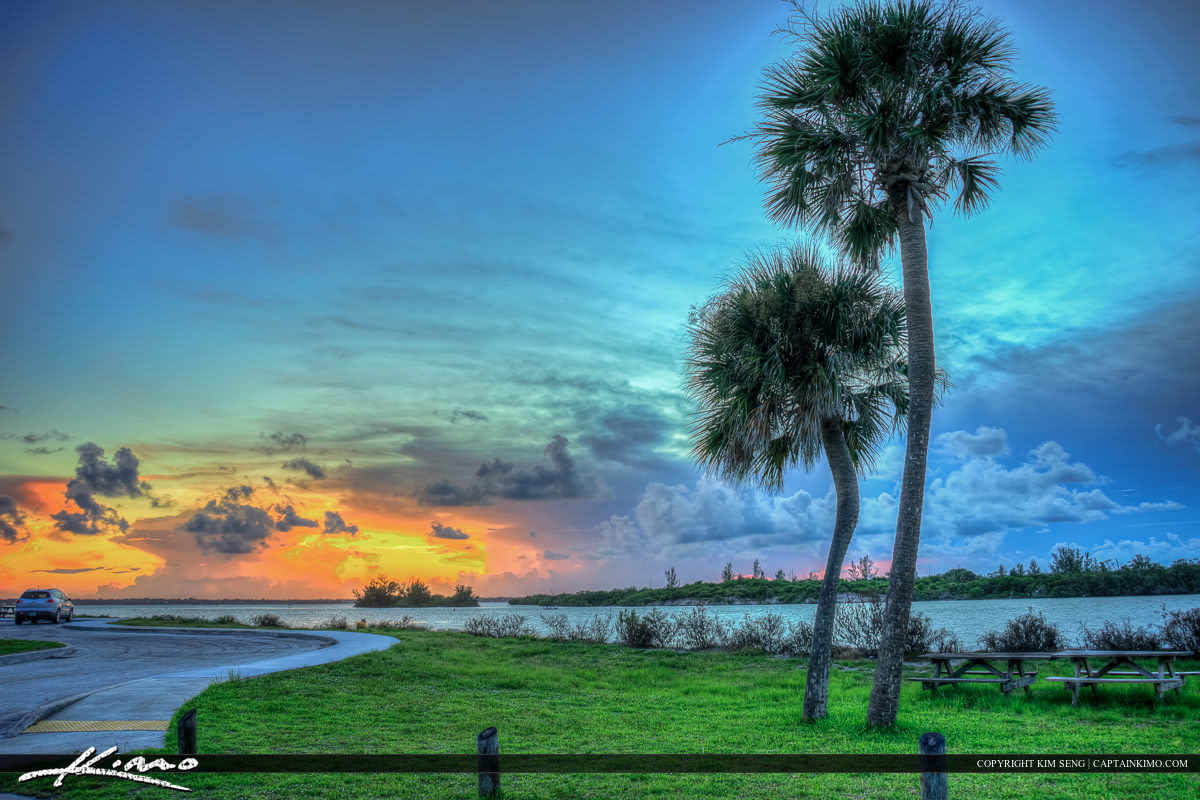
(663, 627)
(226, 619)
(922, 637)
(798, 639)
(1181, 629)
(334, 624)
(860, 626)
(1121, 637)
(764, 633)
(268, 621)
(632, 630)
(595, 631)
(405, 623)
(700, 630)
(1028, 632)
(497, 627)
(558, 626)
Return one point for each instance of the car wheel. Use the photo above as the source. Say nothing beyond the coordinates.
(69, 615)
(57, 615)
(17, 620)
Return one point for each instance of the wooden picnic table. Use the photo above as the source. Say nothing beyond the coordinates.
(1164, 678)
(978, 667)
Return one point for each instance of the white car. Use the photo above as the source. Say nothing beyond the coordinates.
(49, 604)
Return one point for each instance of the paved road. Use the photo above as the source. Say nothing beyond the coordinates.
(104, 658)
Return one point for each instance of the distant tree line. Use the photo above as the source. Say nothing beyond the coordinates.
(1071, 573)
(381, 592)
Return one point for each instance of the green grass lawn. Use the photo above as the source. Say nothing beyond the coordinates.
(434, 691)
(10, 646)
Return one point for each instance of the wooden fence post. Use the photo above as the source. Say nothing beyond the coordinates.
(487, 744)
(933, 784)
(185, 731)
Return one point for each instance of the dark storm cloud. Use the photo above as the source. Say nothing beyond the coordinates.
(304, 465)
(460, 414)
(503, 480)
(290, 519)
(229, 526)
(335, 524)
(629, 435)
(439, 531)
(12, 521)
(271, 442)
(95, 476)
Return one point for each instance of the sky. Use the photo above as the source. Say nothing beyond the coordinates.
(300, 294)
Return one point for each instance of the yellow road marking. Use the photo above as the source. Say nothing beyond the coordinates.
(71, 725)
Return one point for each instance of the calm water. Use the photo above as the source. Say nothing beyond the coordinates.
(967, 619)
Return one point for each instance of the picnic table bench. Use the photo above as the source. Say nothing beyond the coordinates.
(1164, 679)
(978, 668)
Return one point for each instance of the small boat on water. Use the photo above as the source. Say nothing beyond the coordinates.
(550, 608)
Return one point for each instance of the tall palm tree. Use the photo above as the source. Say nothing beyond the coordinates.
(790, 361)
(886, 110)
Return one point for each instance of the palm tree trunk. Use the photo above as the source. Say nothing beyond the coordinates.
(845, 483)
(914, 259)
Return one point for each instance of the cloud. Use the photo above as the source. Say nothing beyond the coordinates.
(984, 443)
(95, 476)
(629, 435)
(335, 524)
(504, 480)
(440, 531)
(1187, 433)
(304, 465)
(12, 522)
(550, 555)
(65, 571)
(291, 519)
(37, 438)
(1187, 122)
(973, 507)
(282, 441)
(1166, 156)
(461, 414)
(43, 451)
(223, 217)
(229, 526)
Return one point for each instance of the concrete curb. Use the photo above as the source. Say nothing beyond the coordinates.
(37, 655)
(46, 709)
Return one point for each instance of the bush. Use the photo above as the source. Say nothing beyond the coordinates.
(268, 621)
(558, 626)
(226, 619)
(860, 626)
(922, 637)
(663, 627)
(1181, 629)
(797, 641)
(405, 623)
(632, 630)
(334, 624)
(1027, 633)
(596, 631)
(699, 630)
(1121, 637)
(764, 633)
(497, 627)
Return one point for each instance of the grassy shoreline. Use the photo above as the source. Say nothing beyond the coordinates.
(434, 691)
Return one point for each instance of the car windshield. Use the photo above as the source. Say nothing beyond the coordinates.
(34, 595)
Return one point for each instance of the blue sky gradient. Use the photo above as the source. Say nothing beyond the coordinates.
(427, 236)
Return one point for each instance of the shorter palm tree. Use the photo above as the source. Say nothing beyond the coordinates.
(791, 360)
